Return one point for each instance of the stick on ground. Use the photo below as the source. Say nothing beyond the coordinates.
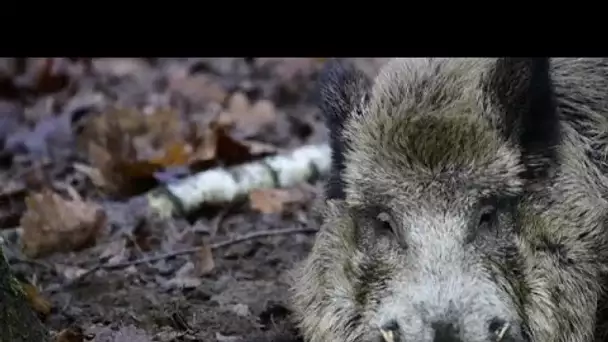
(221, 244)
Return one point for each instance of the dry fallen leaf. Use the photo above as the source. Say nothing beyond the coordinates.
(115, 252)
(165, 127)
(290, 68)
(185, 277)
(177, 154)
(264, 111)
(72, 334)
(38, 303)
(249, 118)
(286, 70)
(92, 173)
(238, 103)
(199, 89)
(50, 76)
(119, 67)
(43, 76)
(270, 201)
(215, 146)
(292, 75)
(70, 272)
(52, 223)
(219, 145)
(204, 262)
(128, 148)
(131, 150)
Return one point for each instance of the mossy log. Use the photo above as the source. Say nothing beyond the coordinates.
(18, 322)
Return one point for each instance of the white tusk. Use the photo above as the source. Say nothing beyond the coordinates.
(387, 335)
(502, 332)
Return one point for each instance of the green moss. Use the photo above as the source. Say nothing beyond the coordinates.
(15, 287)
(18, 322)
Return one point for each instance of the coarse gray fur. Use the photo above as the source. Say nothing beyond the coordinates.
(468, 194)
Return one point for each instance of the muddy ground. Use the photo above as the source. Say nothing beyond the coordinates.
(45, 105)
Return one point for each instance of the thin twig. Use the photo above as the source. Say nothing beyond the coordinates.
(216, 245)
(221, 244)
(14, 259)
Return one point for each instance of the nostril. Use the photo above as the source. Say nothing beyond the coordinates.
(391, 326)
(498, 327)
(445, 332)
(390, 331)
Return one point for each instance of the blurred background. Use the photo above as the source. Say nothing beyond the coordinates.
(84, 141)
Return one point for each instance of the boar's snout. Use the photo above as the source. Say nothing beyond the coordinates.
(496, 330)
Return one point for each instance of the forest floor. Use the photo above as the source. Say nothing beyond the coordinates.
(80, 138)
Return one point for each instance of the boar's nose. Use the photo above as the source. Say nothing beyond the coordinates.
(449, 331)
(390, 332)
(500, 330)
(445, 332)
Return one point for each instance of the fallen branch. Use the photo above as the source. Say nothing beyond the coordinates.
(221, 244)
(220, 185)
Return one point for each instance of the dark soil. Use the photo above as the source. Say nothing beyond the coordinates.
(245, 293)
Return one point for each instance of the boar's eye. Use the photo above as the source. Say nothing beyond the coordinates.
(484, 219)
(385, 222)
(487, 216)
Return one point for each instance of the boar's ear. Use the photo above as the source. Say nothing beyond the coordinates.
(523, 88)
(342, 89)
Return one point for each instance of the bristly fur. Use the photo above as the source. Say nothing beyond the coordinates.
(342, 89)
(420, 154)
(528, 106)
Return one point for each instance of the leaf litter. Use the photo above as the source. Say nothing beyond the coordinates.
(89, 135)
(52, 223)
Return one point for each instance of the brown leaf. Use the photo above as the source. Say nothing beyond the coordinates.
(129, 148)
(270, 201)
(293, 76)
(165, 127)
(119, 67)
(217, 146)
(52, 223)
(249, 118)
(50, 76)
(115, 252)
(185, 277)
(199, 89)
(70, 272)
(38, 303)
(93, 173)
(177, 154)
(264, 111)
(141, 237)
(290, 68)
(104, 128)
(204, 262)
(238, 103)
(72, 334)
(42, 76)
